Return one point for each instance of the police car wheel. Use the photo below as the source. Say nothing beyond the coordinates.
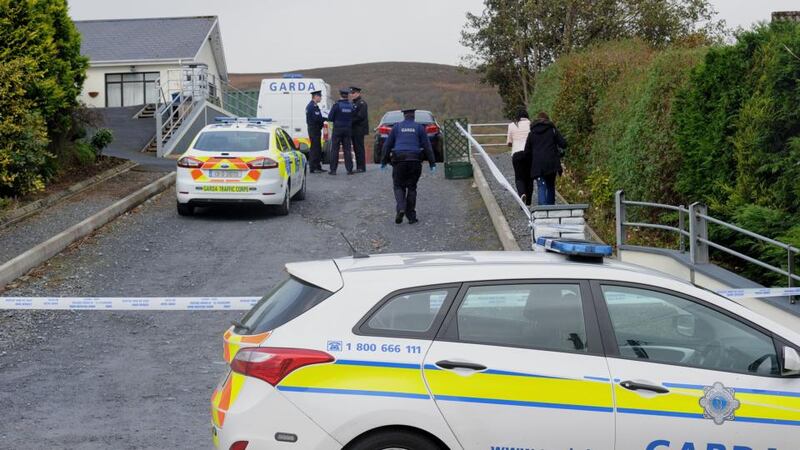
(185, 209)
(395, 440)
(283, 209)
(301, 194)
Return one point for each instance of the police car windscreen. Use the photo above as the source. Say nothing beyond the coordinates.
(233, 141)
(397, 116)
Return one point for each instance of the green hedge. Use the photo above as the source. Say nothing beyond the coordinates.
(720, 125)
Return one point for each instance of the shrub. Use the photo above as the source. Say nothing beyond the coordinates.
(23, 133)
(101, 139)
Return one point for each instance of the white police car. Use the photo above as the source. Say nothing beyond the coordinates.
(500, 351)
(241, 160)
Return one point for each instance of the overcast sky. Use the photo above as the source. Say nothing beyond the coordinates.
(323, 33)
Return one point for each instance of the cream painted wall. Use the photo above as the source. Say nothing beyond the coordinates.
(96, 75)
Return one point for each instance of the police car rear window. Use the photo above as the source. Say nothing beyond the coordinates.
(397, 116)
(286, 301)
(232, 141)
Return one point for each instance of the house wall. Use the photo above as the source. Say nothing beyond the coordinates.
(96, 75)
(96, 80)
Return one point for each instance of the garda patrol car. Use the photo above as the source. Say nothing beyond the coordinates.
(241, 160)
(501, 351)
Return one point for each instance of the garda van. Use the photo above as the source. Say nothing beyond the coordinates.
(284, 101)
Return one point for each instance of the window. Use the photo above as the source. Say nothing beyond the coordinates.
(541, 316)
(127, 89)
(284, 302)
(233, 141)
(410, 312)
(283, 142)
(668, 329)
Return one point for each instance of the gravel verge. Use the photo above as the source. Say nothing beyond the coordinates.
(39, 227)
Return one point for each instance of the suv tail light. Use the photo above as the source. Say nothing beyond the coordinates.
(432, 128)
(384, 129)
(188, 162)
(272, 364)
(263, 163)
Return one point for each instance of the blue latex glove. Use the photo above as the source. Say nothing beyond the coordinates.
(433, 169)
(383, 168)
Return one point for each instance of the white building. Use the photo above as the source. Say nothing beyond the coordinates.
(128, 56)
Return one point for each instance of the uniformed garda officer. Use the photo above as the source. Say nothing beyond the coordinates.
(404, 148)
(360, 127)
(342, 117)
(315, 121)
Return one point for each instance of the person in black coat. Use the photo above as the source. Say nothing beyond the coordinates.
(360, 127)
(543, 150)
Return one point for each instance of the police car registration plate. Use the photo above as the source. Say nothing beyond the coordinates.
(225, 174)
(225, 189)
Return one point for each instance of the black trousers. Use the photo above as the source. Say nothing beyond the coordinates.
(405, 175)
(343, 139)
(360, 150)
(522, 176)
(315, 153)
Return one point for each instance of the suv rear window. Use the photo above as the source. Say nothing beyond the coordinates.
(232, 141)
(287, 300)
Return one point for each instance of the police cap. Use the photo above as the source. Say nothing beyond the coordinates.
(355, 89)
(316, 93)
(344, 92)
(409, 111)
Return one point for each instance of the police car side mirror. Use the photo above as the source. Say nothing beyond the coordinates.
(791, 362)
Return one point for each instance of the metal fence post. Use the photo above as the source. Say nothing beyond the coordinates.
(790, 269)
(620, 212)
(698, 229)
(681, 224)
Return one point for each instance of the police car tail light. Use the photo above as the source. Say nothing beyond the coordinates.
(263, 163)
(325, 131)
(188, 162)
(385, 129)
(432, 129)
(273, 364)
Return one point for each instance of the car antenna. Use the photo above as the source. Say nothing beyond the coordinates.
(356, 253)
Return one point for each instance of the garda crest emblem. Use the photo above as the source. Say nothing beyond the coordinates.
(719, 403)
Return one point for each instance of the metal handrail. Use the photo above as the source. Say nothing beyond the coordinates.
(698, 235)
(751, 234)
(749, 258)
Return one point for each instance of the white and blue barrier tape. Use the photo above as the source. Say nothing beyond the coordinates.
(238, 303)
(131, 303)
(759, 292)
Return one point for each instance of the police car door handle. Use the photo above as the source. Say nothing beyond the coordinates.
(445, 364)
(634, 386)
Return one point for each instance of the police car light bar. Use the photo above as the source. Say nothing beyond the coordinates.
(293, 75)
(224, 119)
(572, 247)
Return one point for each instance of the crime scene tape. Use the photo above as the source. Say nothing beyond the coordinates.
(237, 303)
(131, 303)
(759, 292)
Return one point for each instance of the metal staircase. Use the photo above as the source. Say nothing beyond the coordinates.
(184, 95)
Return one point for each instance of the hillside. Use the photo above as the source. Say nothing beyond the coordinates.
(447, 91)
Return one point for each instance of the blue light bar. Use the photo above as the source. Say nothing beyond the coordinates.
(293, 75)
(223, 119)
(572, 247)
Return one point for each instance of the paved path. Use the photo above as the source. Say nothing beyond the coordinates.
(126, 380)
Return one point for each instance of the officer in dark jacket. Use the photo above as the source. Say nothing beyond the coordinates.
(543, 151)
(404, 148)
(342, 117)
(360, 127)
(314, 122)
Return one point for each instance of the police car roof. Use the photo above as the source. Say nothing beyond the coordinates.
(469, 265)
